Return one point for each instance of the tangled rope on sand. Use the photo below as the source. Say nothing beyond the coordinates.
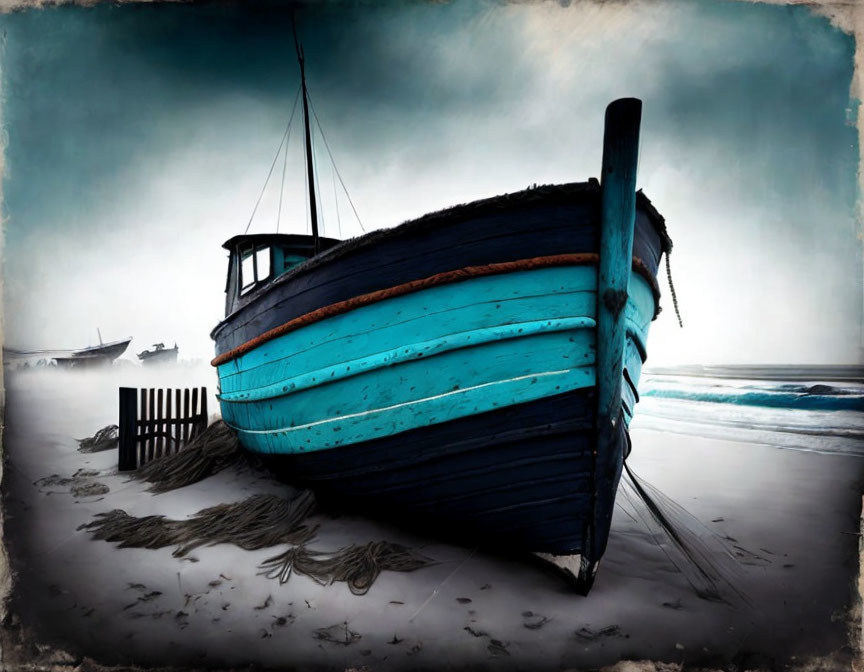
(357, 565)
(105, 439)
(215, 449)
(257, 522)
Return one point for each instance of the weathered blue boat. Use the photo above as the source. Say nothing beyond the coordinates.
(474, 369)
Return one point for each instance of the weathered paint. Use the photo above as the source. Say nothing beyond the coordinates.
(423, 359)
(518, 476)
(618, 218)
(620, 152)
(472, 405)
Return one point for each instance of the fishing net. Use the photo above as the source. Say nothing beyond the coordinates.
(106, 438)
(257, 522)
(215, 449)
(357, 565)
(701, 555)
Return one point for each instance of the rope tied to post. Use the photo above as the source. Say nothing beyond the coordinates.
(672, 290)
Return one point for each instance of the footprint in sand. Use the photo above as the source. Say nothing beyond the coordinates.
(533, 621)
(337, 634)
(182, 619)
(588, 634)
(145, 597)
(498, 648)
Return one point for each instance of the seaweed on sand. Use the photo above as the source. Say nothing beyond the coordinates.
(358, 565)
(257, 522)
(106, 438)
(215, 449)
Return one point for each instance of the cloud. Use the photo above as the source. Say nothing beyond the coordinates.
(171, 115)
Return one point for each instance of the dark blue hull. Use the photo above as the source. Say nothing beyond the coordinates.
(522, 477)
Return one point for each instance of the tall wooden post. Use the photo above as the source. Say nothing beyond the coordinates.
(618, 218)
(618, 181)
(128, 459)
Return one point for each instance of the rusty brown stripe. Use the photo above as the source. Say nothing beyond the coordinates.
(446, 278)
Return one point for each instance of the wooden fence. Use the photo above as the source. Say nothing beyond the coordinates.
(150, 429)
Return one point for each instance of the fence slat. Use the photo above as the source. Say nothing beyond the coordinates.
(166, 427)
(202, 425)
(193, 418)
(142, 419)
(128, 420)
(177, 429)
(160, 405)
(186, 415)
(151, 443)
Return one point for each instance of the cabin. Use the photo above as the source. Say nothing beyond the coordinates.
(255, 260)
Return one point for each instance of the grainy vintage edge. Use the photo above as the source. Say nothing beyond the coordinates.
(5, 570)
(848, 17)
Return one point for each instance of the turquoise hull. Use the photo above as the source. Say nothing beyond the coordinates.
(426, 358)
(445, 371)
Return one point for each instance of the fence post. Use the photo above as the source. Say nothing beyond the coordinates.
(128, 460)
(204, 415)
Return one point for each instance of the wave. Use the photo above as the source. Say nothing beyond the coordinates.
(808, 415)
(803, 395)
(801, 400)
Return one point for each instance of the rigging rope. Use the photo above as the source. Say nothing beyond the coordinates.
(336, 202)
(333, 161)
(272, 165)
(282, 186)
(306, 189)
(318, 185)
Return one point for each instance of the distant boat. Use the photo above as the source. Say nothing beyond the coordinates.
(96, 355)
(460, 371)
(159, 354)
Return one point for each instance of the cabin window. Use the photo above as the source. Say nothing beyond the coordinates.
(247, 270)
(254, 267)
(262, 263)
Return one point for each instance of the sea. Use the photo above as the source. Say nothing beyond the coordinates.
(807, 408)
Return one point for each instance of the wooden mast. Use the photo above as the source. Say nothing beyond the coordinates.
(310, 170)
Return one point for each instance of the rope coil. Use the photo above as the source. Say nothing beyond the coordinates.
(672, 291)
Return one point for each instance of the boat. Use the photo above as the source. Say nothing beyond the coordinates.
(96, 355)
(159, 355)
(473, 370)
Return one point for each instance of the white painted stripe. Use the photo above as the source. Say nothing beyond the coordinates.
(401, 405)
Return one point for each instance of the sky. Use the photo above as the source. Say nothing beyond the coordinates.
(138, 139)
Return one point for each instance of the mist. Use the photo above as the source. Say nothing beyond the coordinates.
(139, 139)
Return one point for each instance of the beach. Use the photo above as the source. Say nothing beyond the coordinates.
(790, 517)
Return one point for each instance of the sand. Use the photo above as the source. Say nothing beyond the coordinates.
(793, 516)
